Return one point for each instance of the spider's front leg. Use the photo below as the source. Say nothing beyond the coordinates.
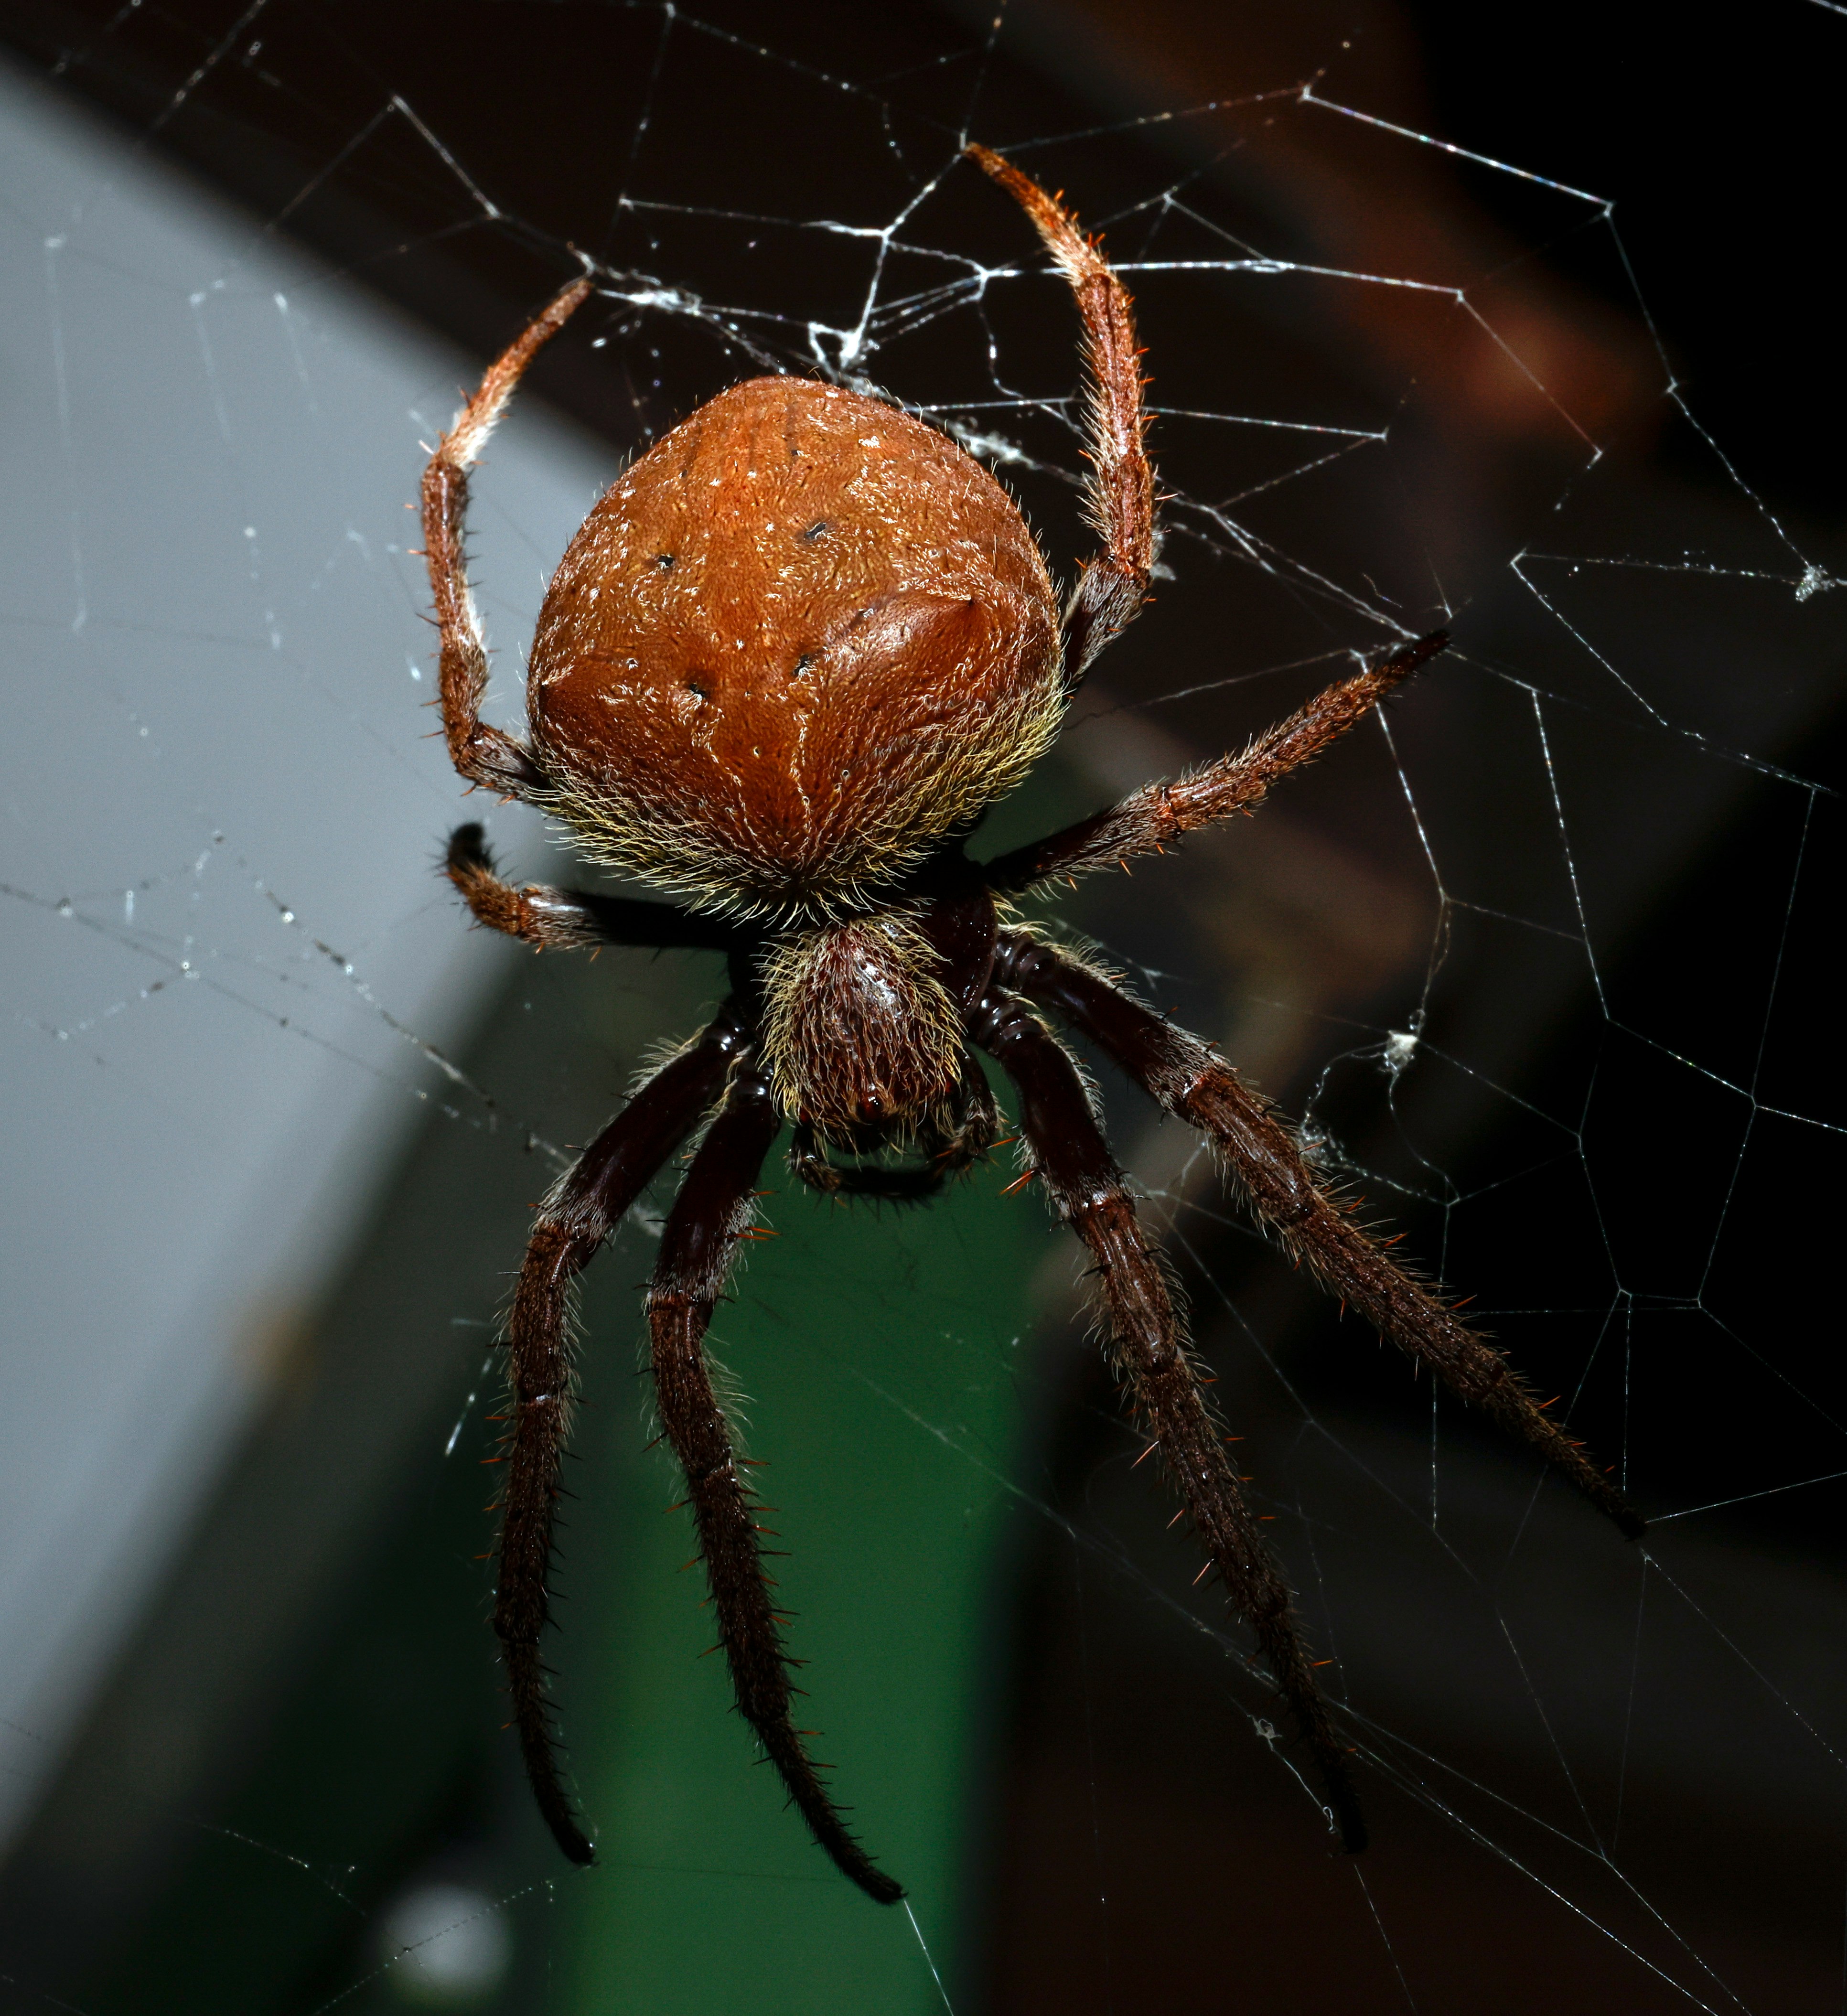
(1265, 1162)
(712, 1212)
(1148, 1346)
(483, 755)
(583, 1209)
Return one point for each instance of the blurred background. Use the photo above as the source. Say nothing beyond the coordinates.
(1527, 329)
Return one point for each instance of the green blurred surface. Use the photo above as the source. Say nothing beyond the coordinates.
(359, 1752)
(874, 1358)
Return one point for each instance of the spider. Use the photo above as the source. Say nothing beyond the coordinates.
(790, 656)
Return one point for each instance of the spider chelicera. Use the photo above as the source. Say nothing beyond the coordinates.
(790, 656)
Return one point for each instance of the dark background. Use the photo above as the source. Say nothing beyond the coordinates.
(1635, 1243)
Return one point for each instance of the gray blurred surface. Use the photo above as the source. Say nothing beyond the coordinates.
(222, 815)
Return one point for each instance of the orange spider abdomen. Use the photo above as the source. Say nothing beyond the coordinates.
(800, 639)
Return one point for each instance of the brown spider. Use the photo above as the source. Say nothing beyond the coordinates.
(788, 659)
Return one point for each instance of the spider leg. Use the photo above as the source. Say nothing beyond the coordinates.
(581, 1212)
(1148, 1346)
(1265, 1162)
(714, 1209)
(1145, 820)
(976, 1123)
(483, 755)
(1120, 494)
(560, 919)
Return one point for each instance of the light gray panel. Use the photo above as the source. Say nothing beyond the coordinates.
(225, 948)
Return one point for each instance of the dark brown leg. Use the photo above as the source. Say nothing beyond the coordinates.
(563, 919)
(483, 755)
(714, 1209)
(1121, 492)
(582, 1210)
(1151, 1357)
(1145, 821)
(1183, 1074)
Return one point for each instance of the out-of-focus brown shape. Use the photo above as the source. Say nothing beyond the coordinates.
(1544, 358)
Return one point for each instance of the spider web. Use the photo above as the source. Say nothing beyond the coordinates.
(1537, 961)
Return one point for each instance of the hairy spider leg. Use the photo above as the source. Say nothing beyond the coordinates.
(1119, 496)
(1150, 1349)
(581, 1210)
(564, 919)
(483, 755)
(1146, 820)
(714, 1209)
(977, 1123)
(1266, 1165)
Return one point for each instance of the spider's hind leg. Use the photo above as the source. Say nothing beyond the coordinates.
(1119, 496)
(483, 755)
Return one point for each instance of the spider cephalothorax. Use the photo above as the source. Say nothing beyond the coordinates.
(789, 658)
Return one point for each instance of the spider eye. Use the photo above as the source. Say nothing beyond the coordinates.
(663, 561)
(698, 692)
(817, 528)
(802, 665)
